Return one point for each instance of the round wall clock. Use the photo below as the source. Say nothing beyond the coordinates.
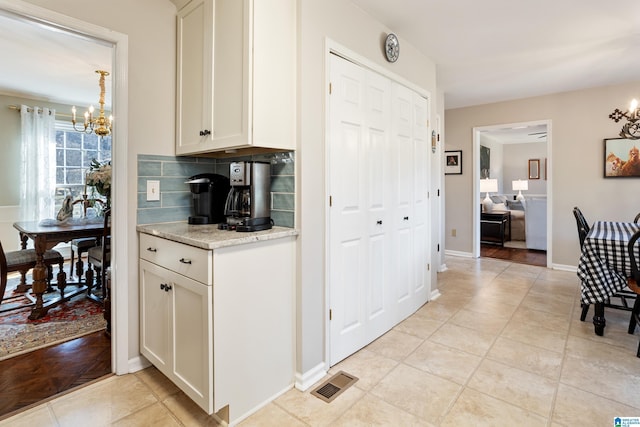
(392, 48)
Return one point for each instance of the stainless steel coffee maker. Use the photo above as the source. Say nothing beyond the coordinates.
(248, 205)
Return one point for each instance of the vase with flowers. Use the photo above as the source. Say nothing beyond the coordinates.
(99, 177)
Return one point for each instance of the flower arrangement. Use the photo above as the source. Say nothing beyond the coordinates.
(99, 176)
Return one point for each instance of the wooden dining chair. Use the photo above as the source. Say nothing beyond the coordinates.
(634, 284)
(80, 246)
(627, 298)
(99, 259)
(23, 261)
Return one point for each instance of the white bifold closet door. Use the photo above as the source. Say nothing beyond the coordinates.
(379, 219)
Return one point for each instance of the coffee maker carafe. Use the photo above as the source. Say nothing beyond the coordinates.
(248, 205)
(208, 191)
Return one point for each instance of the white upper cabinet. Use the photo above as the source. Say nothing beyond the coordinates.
(235, 76)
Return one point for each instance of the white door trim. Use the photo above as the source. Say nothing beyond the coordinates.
(120, 255)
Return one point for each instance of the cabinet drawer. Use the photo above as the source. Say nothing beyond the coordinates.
(195, 263)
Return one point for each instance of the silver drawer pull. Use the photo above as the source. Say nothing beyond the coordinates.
(152, 249)
(185, 261)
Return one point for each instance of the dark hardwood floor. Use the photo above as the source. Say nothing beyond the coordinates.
(41, 374)
(521, 256)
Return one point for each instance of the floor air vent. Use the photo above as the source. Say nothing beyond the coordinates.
(335, 385)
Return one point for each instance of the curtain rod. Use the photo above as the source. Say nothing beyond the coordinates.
(15, 107)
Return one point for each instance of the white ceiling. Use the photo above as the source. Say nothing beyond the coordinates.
(517, 134)
(495, 50)
(485, 51)
(43, 62)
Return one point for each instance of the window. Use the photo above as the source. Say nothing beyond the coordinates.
(74, 153)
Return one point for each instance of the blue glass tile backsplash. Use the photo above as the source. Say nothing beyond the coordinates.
(175, 197)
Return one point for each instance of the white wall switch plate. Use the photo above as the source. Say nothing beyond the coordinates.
(153, 191)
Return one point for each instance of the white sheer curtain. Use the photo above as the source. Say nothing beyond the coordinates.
(38, 163)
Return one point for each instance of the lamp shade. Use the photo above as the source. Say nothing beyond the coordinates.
(520, 185)
(488, 185)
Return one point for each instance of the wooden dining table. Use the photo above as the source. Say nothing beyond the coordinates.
(46, 236)
(604, 265)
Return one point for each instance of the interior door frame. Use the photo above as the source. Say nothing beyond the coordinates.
(120, 251)
(476, 182)
(334, 48)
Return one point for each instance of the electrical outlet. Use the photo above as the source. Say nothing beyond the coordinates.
(453, 232)
(153, 191)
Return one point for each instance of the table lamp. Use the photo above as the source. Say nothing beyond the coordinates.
(487, 186)
(520, 185)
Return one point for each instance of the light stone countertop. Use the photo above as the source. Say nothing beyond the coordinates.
(209, 237)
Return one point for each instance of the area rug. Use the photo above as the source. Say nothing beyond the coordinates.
(69, 320)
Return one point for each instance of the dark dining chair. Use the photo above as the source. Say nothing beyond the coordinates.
(626, 297)
(99, 259)
(634, 284)
(23, 261)
(636, 218)
(80, 246)
(582, 224)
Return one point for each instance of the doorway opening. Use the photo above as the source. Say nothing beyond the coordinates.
(83, 32)
(512, 220)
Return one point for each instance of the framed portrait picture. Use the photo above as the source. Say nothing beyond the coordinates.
(453, 162)
(621, 158)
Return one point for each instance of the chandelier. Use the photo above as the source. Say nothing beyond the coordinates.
(631, 129)
(100, 125)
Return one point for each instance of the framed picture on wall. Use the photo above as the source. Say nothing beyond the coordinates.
(485, 162)
(453, 162)
(621, 158)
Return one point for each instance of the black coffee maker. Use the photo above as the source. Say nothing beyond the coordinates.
(209, 191)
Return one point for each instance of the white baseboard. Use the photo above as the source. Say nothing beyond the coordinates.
(309, 378)
(459, 254)
(138, 363)
(563, 267)
(435, 294)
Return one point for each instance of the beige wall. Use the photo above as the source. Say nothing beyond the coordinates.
(319, 20)
(580, 122)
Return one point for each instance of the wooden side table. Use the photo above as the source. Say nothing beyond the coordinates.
(495, 227)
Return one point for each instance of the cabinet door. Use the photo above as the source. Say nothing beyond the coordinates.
(231, 73)
(177, 330)
(154, 316)
(194, 78)
(193, 339)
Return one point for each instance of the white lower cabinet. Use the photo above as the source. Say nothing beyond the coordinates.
(229, 342)
(177, 329)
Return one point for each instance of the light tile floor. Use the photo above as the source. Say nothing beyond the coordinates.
(503, 345)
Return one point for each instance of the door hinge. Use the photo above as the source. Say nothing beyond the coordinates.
(330, 88)
(438, 137)
(438, 192)
(438, 247)
(330, 314)
(330, 201)
(428, 267)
